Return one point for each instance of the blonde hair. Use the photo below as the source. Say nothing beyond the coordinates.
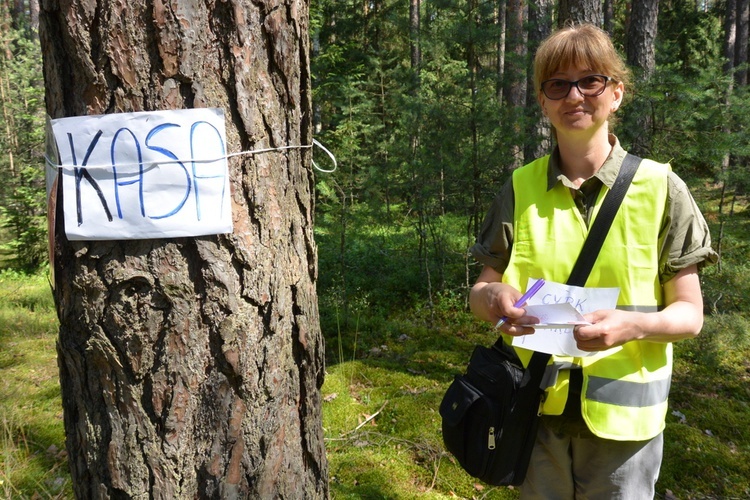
(579, 46)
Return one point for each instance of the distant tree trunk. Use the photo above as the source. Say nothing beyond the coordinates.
(191, 367)
(416, 54)
(515, 54)
(609, 16)
(472, 61)
(499, 20)
(540, 26)
(515, 74)
(743, 27)
(641, 39)
(34, 15)
(640, 48)
(580, 11)
(730, 35)
(730, 39)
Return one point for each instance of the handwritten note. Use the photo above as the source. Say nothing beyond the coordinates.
(555, 316)
(559, 307)
(142, 175)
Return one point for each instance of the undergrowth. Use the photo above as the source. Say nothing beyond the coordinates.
(392, 349)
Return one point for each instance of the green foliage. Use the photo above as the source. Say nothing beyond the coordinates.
(24, 214)
(690, 39)
(22, 196)
(692, 126)
(370, 267)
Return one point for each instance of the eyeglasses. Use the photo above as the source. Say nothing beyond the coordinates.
(588, 86)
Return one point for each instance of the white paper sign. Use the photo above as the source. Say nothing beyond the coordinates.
(158, 174)
(553, 337)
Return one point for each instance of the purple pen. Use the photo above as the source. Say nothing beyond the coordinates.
(524, 298)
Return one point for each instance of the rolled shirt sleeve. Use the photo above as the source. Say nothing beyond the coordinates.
(495, 238)
(687, 239)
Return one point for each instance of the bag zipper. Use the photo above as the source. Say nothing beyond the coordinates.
(491, 439)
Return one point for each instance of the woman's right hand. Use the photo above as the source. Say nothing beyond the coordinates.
(491, 300)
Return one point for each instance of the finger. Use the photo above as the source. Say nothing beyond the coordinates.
(517, 330)
(580, 333)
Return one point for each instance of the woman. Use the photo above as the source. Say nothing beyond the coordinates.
(600, 435)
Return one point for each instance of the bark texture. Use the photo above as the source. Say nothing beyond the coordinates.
(641, 40)
(580, 11)
(191, 368)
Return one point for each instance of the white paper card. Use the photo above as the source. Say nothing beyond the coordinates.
(557, 304)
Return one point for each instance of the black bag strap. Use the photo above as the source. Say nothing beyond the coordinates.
(590, 250)
(602, 223)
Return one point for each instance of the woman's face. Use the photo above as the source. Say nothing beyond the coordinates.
(579, 116)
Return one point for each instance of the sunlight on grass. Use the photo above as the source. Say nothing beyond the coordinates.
(383, 437)
(34, 463)
(391, 354)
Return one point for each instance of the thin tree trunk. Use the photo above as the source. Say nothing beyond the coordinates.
(743, 28)
(539, 135)
(515, 74)
(191, 367)
(609, 16)
(500, 15)
(730, 35)
(416, 53)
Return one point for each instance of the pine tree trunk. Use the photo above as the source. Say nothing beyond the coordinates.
(641, 40)
(580, 11)
(741, 45)
(538, 132)
(641, 55)
(514, 77)
(191, 367)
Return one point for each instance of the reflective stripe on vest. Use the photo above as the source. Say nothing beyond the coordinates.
(625, 389)
(624, 393)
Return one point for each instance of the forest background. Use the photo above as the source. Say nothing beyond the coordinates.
(428, 109)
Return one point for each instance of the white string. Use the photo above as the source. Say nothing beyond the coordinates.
(225, 157)
(330, 155)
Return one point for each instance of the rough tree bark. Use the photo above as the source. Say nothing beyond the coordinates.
(641, 39)
(641, 56)
(191, 367)
(538, 131)
(580, 11)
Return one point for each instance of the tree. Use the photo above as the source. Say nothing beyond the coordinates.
(640, 48)
(538, 131)
(580, 11)
(191, 367)
(743, 28)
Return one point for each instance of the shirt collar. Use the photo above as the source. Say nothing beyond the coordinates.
(606, 174)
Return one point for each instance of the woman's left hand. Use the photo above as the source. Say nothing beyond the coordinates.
(609, 328)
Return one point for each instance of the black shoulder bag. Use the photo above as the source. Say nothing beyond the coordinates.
(490, 415)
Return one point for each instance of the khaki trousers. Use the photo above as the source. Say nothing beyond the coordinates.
(569, 462)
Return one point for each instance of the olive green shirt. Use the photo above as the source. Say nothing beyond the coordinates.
(684, 232)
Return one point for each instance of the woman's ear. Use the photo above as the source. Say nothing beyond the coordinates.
(617, 96)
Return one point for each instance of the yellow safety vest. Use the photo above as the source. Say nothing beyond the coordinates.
(625, 389)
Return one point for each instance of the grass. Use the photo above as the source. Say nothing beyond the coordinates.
(33, 463)
(388, 367)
